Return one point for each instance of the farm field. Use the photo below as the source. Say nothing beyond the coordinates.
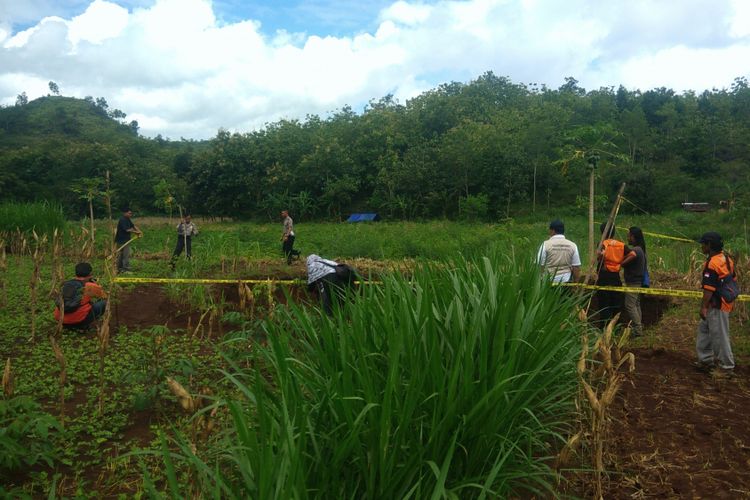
(246, 390)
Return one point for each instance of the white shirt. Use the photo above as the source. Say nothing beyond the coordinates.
(317, 267)
(575, 260)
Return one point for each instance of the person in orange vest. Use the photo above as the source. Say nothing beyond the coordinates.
(609, 256)
(79, 310)
(712, 344)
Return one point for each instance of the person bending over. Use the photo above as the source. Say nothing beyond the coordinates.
(328, 279)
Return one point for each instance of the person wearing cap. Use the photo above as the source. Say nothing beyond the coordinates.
(287, 238)
(89, 309)
(125, 229)
(559, 256)
(712, 344)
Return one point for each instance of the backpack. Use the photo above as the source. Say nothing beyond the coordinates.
(646, 280)
(728, 288)
(613, 253)
(72, 293)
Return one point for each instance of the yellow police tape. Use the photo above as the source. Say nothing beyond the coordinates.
(658, 235)
(665, 292)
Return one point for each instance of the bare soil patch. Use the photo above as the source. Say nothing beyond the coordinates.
(677, 432)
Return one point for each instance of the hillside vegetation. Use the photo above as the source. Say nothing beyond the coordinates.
(482, 150)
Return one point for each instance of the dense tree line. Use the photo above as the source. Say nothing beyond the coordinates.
(486, 149)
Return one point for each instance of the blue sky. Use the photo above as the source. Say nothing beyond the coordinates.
(315, 17)
(185, 68)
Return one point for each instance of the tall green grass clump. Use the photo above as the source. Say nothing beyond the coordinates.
(41, 217)
(458, 383)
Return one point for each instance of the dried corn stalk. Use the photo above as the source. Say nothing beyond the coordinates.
(7, 380)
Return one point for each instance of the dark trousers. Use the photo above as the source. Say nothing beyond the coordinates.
(288, 248)
(609, 302)
(183, 242)
(329, 288)
(97, 309)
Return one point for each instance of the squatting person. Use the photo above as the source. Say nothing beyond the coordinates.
(79, 310)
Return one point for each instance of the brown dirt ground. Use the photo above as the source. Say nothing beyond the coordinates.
(677, 432)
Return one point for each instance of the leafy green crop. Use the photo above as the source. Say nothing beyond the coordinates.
(25, 434)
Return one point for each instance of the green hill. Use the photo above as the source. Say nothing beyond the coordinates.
(47, 146)
(56, 117)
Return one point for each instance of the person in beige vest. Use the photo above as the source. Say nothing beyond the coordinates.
(559, 256)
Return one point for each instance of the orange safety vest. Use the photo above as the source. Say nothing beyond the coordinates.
(613, 253)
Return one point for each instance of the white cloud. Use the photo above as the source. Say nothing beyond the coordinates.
(181, 72)
(406, 13)
(739, 26)
(102, 20)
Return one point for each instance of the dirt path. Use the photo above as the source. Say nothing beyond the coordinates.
(676, 432)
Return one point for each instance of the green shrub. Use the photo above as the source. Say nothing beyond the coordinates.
(473, 208)
(25, 434)
(43, 218)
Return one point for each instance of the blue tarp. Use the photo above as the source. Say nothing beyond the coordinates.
(363, 217)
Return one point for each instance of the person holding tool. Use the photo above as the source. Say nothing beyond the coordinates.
(125, 229)
(185, 232)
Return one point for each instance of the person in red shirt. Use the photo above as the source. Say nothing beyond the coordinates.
(712, 343)
(89, 309)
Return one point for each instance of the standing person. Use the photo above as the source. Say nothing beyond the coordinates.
(712, 343)
(328, 279)
(559, 256)
(287, 238)
(125, 228)
(78, 309)
(609, 256)
(185, 232)
(635, 266)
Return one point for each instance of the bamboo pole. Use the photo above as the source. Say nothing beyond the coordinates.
(609, 224)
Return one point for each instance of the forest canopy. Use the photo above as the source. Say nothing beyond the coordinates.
(486, 149)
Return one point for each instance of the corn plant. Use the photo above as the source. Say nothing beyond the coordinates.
(38, 259)
(8, 380)
(600, 378)
(3, 275)
(458, 383)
